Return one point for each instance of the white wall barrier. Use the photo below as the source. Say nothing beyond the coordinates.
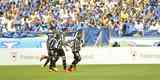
(90, 55)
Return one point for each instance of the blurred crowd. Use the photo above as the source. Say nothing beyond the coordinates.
(19, 18)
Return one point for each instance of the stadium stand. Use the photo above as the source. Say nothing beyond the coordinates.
(29, 18)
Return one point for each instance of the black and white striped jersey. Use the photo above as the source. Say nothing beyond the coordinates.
(76, 44)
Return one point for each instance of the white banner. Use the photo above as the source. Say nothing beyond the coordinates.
(138, 42)
(90, 55)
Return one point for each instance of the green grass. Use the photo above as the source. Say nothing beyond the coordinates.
(86, 72)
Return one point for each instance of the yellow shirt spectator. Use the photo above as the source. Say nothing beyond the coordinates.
(129, 1)
(145, 1)
(124, 16)
(33, 16)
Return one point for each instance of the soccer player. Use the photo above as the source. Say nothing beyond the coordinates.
(51, 41)
(54, 57)
(55, 47)
(60, 51)
(77, 43)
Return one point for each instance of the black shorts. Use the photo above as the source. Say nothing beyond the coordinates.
(76, 55)
(51, 52)
(60, 52)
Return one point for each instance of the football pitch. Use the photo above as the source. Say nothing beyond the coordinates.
(85, 72)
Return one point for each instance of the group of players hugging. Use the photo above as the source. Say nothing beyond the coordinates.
(55, 46)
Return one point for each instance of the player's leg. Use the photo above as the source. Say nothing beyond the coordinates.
(52, 66)
(53, 59)
(47, 61)
(43, 57)
(77, 58)
(56, 57)
(62, 54)
(64, 63)
(48, 58)
(51, 63)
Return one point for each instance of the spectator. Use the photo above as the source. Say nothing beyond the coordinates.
(36, 15)
(140, 28)
(3, 27)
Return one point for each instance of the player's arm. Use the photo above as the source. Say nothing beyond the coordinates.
(82, 43)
